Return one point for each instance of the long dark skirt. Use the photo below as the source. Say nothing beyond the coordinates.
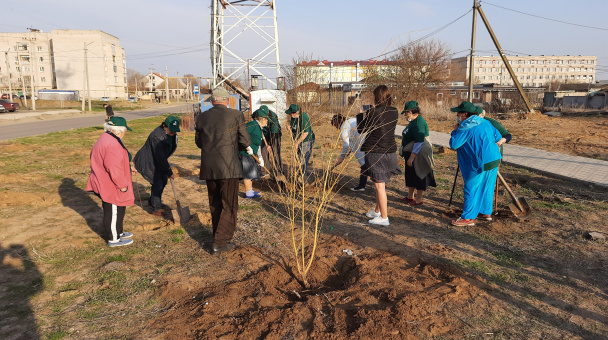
(413, 181)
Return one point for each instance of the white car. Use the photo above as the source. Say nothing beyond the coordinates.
(2, 109)
(104, 99)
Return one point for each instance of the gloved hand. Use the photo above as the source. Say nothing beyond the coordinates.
(261, 161)
(249, 151)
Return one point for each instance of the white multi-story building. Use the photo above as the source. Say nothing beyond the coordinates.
(323, 72)
(531, 71)
(56, 60)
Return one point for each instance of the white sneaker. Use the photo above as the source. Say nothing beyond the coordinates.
(372, 214)
(379, 221)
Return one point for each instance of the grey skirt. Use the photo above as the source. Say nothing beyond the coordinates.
(380, 167)
(250, 167)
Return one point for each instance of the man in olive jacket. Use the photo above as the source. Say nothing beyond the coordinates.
(221, 133)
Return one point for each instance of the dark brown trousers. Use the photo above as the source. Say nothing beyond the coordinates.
(224, 205)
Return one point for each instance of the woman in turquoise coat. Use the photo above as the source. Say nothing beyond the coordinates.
(478, 156)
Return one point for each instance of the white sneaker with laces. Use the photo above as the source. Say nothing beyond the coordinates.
(372, 214)
(379, 220)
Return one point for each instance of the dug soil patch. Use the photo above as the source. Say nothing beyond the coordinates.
(359, 296)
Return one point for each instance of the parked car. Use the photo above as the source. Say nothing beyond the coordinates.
(2, 109)
(7, 96)
(132, 99)
(9, 105)
(105, 99)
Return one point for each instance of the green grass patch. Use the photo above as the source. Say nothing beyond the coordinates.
(178, 231)
(56, 335)
(508, 258)
(176, 239)
(119, 258)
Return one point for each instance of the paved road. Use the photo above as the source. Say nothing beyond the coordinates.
(17, 130)
(583, 169)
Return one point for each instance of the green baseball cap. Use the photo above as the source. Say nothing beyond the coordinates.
(173, 123)
(467, 107)
(259, 113)
(412, 104)
(118, 121)
(293, 108)
(265, 108)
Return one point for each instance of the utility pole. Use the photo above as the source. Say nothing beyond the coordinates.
(8, 70)
(150, 82)
(33, 87)
(22, 79)
(504, 59)
(86, 70)
(167, 85)
(472, 57)
(84, 77)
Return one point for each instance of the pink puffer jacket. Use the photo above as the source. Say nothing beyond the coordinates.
(111, 171)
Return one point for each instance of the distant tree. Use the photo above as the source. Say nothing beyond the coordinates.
(414, 67)
(134, 77)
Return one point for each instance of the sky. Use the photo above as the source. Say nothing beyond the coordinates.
(175, 34)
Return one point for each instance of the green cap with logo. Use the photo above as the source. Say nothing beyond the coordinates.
(118, 121)
(172, 123)
(293, 108)
(467, 106)
(412, 104)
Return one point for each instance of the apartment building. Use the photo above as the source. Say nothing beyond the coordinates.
(531, 71)
(56, 60)
(324, 72)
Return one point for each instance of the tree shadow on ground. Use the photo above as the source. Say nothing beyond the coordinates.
(20, 280)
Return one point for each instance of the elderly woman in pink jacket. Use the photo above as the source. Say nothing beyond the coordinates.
(110, 179)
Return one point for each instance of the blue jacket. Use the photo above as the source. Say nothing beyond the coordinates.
(475, 145)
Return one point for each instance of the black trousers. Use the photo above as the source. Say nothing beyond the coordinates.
(224, 206)
(159, 182)
(113, 217)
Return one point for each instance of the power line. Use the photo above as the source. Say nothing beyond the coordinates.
(545, 18)
(421, 38)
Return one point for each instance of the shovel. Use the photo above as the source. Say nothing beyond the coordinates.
(182, 214)
(279, 177)
(519, 207)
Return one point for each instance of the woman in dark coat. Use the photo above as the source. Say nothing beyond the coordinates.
(380, 149)
(152, 160)
(418, 153)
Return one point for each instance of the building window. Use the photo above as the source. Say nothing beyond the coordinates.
(464, 94)
(25, 58)
(43, 79)
(39, 48)
(116, 79)
(41, 59)
(22, 47)
(17, 69)
(114, 58)
(452, 93)
(475, 94)
(41, 68)
(115, 68)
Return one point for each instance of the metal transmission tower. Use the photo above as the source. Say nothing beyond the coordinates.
(244, 39)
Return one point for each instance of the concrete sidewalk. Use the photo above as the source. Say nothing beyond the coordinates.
(582, 169)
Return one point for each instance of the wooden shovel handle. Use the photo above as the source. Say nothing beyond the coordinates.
(258, 161)
(504, 183)
(174, 190)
